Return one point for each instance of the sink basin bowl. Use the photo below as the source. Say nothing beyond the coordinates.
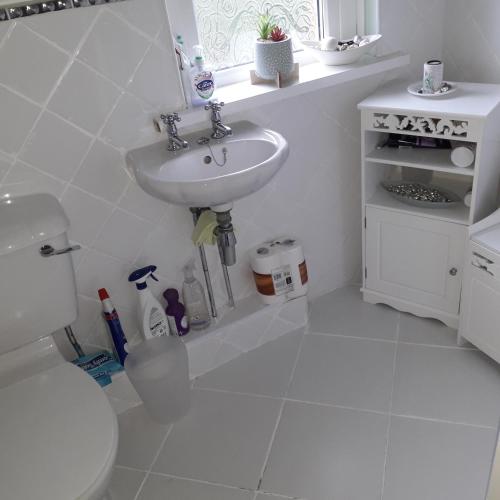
(187, 177)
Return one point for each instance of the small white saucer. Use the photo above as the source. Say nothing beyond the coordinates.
(416, 89)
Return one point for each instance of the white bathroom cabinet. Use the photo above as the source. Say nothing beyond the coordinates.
(413, 257)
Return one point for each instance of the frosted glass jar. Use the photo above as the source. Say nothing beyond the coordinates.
(159, 371)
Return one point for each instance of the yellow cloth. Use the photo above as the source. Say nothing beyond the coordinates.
(203, 232)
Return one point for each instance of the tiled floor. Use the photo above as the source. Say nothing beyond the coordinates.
(368, 404)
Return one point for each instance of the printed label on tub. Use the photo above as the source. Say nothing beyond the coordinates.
(282, 280)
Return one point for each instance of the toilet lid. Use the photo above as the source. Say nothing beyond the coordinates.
(57, 434)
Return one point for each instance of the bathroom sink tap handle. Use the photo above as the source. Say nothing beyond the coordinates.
(214, 105)
(170, 119)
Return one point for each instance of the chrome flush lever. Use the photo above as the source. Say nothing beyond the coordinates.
(49, 251)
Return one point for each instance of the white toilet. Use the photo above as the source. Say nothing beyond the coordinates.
(58, 432)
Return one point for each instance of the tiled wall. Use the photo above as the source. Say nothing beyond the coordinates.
(415, 27)
(81, 89)
(472, 41)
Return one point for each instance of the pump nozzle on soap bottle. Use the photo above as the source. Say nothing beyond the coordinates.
(152, 318)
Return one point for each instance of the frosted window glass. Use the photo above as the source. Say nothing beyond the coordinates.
(228, 28)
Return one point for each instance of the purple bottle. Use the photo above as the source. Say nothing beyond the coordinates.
(176, 313)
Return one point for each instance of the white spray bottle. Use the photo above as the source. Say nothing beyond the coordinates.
(152, 318)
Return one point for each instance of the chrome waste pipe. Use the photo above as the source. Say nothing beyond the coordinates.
(203, 257)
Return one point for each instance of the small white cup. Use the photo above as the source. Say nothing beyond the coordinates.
(433, 76)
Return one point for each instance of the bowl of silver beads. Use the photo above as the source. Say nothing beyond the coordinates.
(341, 52)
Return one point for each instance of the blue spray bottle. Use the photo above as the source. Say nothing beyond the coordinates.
(115, 328)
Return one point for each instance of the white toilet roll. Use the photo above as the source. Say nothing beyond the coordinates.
(292, 255)
(280, 270)
(463, 156)
(264, 261)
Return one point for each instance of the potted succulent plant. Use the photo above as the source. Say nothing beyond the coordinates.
(273, 50)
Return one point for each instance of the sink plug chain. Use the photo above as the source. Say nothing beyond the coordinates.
(205, 141)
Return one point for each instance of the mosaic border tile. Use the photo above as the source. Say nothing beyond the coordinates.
(29, 8)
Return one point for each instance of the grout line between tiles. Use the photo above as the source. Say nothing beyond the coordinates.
(148, 472)
(271, 442)
(143, 482)
(453, 347)
(443, 421)
(354, 337)
(160, 448)
(200, 481)
(225, 391)
(126, 467)
(278, 420)
(341, 407)
(393, 385)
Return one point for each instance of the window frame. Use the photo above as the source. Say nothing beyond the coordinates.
(339, 18)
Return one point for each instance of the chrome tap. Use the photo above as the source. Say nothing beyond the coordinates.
(219, 129)
(174, 141)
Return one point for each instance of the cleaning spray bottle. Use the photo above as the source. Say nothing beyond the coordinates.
(194, 299)
(152, 318)
(202, 79)
(114, 325)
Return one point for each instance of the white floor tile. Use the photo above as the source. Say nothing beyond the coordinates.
(264, 371)
(343, 312)
(223, 439)
(124, 484)
(323, 453)
(140, 439)
(356, 373)
(159, 487)
(449, 384)
(426, 331)
(437, 461)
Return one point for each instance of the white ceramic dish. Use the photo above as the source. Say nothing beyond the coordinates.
(336, 57)
(416, 89)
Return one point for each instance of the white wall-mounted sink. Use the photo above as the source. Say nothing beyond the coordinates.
(183, 177)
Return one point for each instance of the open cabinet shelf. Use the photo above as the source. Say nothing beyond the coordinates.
(457, 213)
(426, 159)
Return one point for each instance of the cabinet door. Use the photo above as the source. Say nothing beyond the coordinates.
(414, 258)
(480, 311)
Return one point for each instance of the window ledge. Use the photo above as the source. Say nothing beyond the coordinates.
(242, 96)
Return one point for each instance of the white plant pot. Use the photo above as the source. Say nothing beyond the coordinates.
(272, 58)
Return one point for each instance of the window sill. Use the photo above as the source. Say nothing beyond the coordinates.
(242, 96)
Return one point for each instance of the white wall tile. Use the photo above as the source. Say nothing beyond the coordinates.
(137, 201)
(89, 109)
(472, 41)
(5, 164)
(102, 172)
(20, 115)
(65, 28)
(145, 15)
(113, 48)
(30, 64)
(123, 235)
(23, 179)
(99, 271)
(152, 90)
(86, 213)
(130, 124)
(56, 147)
